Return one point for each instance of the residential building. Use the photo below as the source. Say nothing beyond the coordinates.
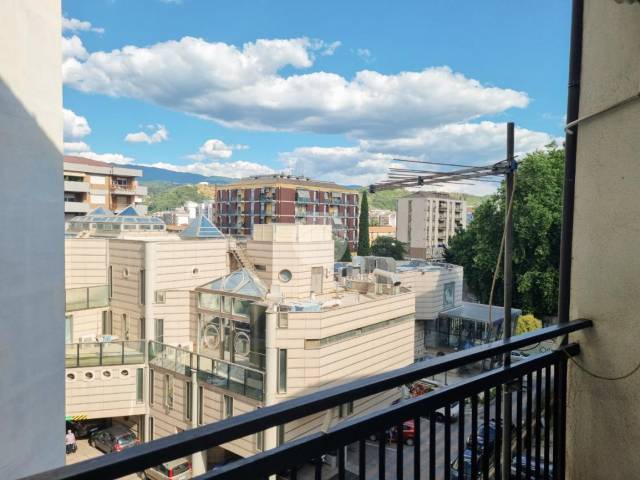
(31, 242)
(259, 323)
(283, 198)
(381, 231)
(207, 189)
(427, 220)
(382, 218)
(89, 184)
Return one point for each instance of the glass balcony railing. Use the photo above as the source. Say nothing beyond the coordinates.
(229, 376)
(86, 297)
(98, 354)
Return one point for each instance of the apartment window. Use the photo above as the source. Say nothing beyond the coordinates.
(125, 326)
(143, 329)
(260, 441)
(151, 385)
(142, 287)
(280, 435)
(282, 371)
(107, 323)
(227, 406)
(150, 428)
(68, 329)
(260, 268)
(159, 330)
(168, 391)
(345, 409)
(200, 405)
(188, 412)
(160, 296)
(110, 281)
(139, 385)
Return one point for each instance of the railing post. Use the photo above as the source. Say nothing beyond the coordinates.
(100, 349)
(123, 353)
(78, 354)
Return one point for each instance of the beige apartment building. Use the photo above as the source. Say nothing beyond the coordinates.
(427, 220)
(193, 328)
(89, 184)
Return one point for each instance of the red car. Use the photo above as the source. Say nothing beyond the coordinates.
(408, 433)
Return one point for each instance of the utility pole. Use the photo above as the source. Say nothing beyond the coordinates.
(508, 282)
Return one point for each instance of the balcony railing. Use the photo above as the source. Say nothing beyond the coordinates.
(470, 449)
(230, 376)
(83, 298)
(97, 354)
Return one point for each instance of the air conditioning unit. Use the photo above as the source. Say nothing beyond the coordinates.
(87, 339)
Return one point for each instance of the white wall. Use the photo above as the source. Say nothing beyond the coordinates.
(31, 240)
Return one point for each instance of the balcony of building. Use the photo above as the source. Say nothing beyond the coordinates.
(108, 352)
(76, 206)
(76, 186)
(84, 298)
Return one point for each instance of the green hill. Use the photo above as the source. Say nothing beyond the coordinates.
(386, 199)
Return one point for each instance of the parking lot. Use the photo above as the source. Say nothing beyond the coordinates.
(85, 452)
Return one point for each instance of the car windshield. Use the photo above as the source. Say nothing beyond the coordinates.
(181, 468)
(126, 439)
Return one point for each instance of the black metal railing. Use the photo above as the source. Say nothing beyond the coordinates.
(424, 449)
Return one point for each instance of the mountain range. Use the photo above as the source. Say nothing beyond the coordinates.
(155, 174)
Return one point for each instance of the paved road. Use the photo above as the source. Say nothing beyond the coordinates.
(85, 452)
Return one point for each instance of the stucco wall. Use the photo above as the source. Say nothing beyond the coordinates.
(603, 429)
(31, 240)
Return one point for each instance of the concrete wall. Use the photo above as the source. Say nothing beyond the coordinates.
(603, 429)
(31, 240)
(85, 262)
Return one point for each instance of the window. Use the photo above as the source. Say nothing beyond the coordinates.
(241, 307)
(139, 385)
(168, 391)
(317, 273)
(188, 412)
(107, 323)
(285, 275)
(227, 406)
(280, 435)
(448, 295)
(159, 330)
(226, 304)
(125, 327)
(260, 441)
(200, 405)
(150, 428)
(160, 296)
(241, 344)
(142, 287)
(209, 301)
(260, 268)
(68, 329)
(282, 371)
(110, 281)
(151, 386)
(345, 409)
(143, 329)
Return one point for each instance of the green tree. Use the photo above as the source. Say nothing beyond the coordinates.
(363, 233)
(346, 256)
(537, 212)
(385, 246)
(163, 196)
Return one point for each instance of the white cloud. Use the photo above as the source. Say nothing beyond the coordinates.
(236, 169)
(365, 54)
(75, 147)
(242, 87)
(75, 126)
(323, 48)
(159, 135)
(369, 161)
(107, 157)
(214, 148)
(75, 25)
(72, 47)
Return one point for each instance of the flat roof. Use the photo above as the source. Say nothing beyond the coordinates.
(423, 266)
(291, 180)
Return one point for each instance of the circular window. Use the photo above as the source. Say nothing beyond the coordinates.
(125, 272)
(88, 375)
(71, 376)
(106, 373)
(124, 373)
(285, 275)
(211, 335)
(241, 344)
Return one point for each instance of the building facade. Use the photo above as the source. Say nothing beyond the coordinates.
(89, 184)
(427, 220)
(31, 244)
(287, 199)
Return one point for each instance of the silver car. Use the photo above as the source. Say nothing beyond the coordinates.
(179, 469)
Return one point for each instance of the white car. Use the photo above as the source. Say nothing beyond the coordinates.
(179, 469)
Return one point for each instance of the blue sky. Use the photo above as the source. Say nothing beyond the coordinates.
(349, 86)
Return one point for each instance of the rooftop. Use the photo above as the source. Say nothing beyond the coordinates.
(478, 312)
(267, 180)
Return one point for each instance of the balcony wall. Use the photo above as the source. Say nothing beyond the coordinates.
(606, 263)
(76, 207)
(70, 186)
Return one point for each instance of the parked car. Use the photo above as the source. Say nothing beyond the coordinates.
(179, 469)
(85, 428)
(408, 433)
(113, 439)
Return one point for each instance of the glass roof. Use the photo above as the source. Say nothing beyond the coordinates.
(201, 227)
(102, 215)
(129, 211)
(241, 282)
